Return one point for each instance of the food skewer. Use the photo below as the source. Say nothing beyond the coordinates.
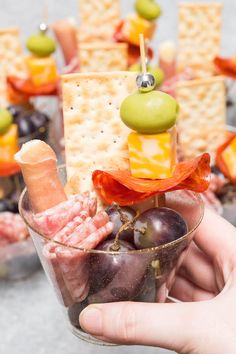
(159, 200)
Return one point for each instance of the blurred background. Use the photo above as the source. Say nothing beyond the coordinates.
(30, 320)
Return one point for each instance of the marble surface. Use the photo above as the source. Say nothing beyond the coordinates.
(31, 321)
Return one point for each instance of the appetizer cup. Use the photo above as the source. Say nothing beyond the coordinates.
(81, 277)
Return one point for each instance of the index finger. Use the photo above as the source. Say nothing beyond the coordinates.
(217, 238)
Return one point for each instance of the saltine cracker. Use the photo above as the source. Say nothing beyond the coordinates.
(95, 136)
(202, 117)
(11, 59)
(199, 36)
(98, 19)
(103, 56)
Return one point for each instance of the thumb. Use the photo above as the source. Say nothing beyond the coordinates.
(171, 326)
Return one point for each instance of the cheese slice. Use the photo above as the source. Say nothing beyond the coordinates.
(229, 157)
(42, 70)
(152, 156)
(134, 25)
(9, 144)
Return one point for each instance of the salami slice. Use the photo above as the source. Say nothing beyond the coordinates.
(52, 220)
(12, 228)
(68, 267)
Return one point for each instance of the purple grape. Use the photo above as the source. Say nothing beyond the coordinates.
(105, 266)
(38, 119)
(158, 226)
(3, 205)
(117, 276)
(16, 109)
(8, 205)
(25, 126)
(119, 216)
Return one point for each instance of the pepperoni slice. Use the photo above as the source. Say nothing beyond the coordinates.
(226, 66)
(26, 87)
(124, 189)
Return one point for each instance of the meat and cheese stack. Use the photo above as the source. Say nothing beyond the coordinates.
(41, 64)
(8, 144)
(152, 116)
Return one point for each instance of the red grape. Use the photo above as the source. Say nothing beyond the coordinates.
(119, 216)
(157, 226)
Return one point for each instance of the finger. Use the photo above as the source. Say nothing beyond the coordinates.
(197, 268)
(215, 236)
(184, 290)
(165, 325)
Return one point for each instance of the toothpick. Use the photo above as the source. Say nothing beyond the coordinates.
(142, 53)
(45, 12)
(160, 200)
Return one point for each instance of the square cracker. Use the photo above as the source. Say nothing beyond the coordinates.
(98, 19)
(11, 59)
(95, 136)
(103, 57)
(199, 36)
(202, 116)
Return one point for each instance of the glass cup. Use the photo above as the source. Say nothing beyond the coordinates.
(81, 277)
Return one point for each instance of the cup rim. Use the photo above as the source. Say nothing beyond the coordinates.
(140, 251)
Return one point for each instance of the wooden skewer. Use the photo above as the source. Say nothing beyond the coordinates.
(142, 53)
(160, 200)
(45, 12)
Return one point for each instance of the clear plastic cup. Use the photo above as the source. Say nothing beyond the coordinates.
(144, 275)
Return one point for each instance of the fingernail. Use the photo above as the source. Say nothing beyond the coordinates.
(91, 320)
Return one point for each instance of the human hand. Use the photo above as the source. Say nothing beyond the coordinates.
(204, 323)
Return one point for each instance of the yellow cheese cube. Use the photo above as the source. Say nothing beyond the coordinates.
(134, 25)
(9, 144)
(152, 156)
(42, 70)
(229, 157)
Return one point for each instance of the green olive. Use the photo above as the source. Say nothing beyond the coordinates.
(41, 45)
(148, 9)
(149, 113)
(158, 73)
(5, 120)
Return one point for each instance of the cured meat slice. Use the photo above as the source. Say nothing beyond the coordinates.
(169, 86)
(38, 164)
(64, 233)
(69, 266)
(52, 267)
(87, 228)
(52, 220)
(12, 228)
(122, 188)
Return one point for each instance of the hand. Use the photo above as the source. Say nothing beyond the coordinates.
(204, 323)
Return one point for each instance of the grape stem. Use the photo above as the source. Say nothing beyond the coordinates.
(128, 225)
